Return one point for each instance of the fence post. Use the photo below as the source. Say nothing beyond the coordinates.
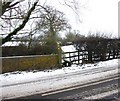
(78, 57)
(59, 56)
(69, 57)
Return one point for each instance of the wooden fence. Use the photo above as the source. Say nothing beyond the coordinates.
(81, 57)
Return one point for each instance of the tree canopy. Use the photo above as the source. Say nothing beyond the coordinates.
(51, 22)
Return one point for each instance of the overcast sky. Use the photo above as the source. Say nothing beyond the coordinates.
(96, 15)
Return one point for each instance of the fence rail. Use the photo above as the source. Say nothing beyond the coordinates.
(81, 56)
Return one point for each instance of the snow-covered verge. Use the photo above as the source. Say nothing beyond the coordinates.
(25, 83)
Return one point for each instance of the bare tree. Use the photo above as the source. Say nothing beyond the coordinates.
(51, 22)
(14, 16)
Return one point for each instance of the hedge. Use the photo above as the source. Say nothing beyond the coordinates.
(22, 63)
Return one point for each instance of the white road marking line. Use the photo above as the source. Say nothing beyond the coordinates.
(68, 89)
(102, 95)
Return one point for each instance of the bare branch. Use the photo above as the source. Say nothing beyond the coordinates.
(9, 37)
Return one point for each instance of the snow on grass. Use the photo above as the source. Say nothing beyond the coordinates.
(51, 84)
(69, 48)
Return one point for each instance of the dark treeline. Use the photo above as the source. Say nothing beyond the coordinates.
(98, 47)
(93, 44)
(23, 50)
